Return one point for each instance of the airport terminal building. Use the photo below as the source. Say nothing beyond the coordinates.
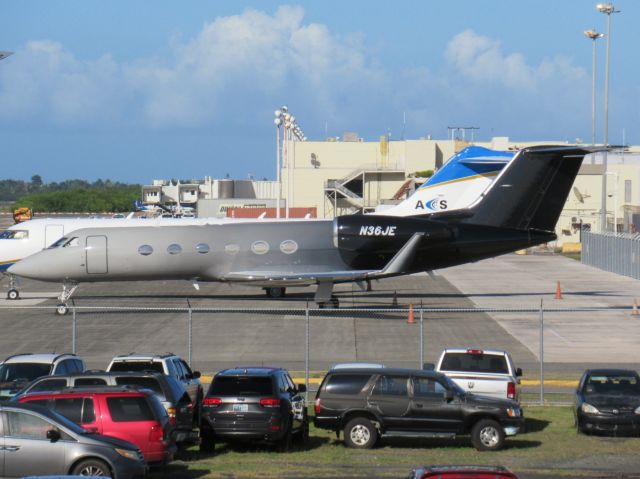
(349, 175)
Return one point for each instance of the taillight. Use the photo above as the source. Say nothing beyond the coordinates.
(475, 351)
(213, 402)
(171, 411)
(156, 434)
(316, 406)
(270, 402)
(511, 390)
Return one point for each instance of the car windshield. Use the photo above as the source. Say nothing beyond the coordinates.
(241, 386)
(23, 371)
(612, 384)
(14, 234)
(137, 366)
(481, 363)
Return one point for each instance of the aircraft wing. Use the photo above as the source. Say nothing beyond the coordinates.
(399, 264)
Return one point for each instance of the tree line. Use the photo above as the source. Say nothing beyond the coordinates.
(69, 195)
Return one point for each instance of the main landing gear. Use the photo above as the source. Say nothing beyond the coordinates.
(276, 292)
(68, 288)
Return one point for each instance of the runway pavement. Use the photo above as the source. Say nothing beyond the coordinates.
(264, 331)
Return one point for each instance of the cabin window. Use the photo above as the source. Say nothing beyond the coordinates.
(232, 248)
(288, 247)
(174, 249)
(14, 234)
(202, 248)
(145, 250)
(260, 247)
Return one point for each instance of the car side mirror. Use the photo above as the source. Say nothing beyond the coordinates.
(196, 375)
(53, 435)
(302, 388)
(448, 395)
(518, 372)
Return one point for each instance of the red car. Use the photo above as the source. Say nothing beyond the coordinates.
(462, 472)
(133, 415)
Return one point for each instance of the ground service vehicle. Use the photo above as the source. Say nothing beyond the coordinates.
(485, 372)
(168, 390)
(462, 472)
(608, 402)
(368, 404)
(254, 403)
(38, 441)
(134, 416)
(20, 369)
(168, 364)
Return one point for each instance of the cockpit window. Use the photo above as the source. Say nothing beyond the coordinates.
(59, 243)
(72, 242)
(14, 234)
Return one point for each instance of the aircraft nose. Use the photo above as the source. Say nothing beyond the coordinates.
(26, 268)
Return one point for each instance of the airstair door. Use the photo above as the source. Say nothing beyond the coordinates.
(52, 233)
(96, 250)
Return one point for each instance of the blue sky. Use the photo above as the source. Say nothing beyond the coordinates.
(138, 89)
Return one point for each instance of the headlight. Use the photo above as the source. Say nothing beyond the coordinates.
(514, 412)
(128, 453)
(589, 409)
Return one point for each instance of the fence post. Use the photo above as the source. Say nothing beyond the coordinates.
(541, 354)
(306, 352)
(421, 336)
(190, 333)
(73, 327)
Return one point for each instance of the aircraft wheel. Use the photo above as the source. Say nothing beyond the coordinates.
(13, 294)
(62, 309)
(277, 292)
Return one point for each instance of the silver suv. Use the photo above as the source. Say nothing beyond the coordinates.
(20, 369)
(168, 364)
(37, 441)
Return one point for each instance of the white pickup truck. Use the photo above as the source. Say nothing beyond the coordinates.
(485, 372)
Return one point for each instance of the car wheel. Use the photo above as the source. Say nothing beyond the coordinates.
(487, 435)
(91, 467)
(360, 433)
(284, 444)
(207, 443)
(303, 434)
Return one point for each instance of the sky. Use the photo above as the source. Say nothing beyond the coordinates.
(133, 90)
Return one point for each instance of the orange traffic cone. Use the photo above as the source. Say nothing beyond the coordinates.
(558, 291)
(634, 310)
(410, 318)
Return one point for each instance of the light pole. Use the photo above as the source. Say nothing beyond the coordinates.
(278, 122)
(593, 35)
(290, 131)
(607, 9)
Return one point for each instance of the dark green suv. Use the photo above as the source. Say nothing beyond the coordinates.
(371, 403)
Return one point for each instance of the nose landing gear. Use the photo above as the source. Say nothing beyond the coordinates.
(68, 288)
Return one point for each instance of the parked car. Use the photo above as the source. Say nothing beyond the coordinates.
(132, 415)
(367, 404)
(38, 441)
(462, 472)
(168, 364)
(608, 401)
(167, 389)
(20, 369)
(485, 372)
(256, 403)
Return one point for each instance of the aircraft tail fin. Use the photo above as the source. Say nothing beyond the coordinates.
(456, 185)
(531, 191)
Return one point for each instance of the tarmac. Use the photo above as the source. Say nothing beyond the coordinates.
(239, 325)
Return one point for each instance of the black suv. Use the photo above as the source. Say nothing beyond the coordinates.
(168, 390)
(254, 403)
(380, 402)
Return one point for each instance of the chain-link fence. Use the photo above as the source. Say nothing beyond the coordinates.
(308, 341)
(615, 252)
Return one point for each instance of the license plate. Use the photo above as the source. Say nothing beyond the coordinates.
(240, 407)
